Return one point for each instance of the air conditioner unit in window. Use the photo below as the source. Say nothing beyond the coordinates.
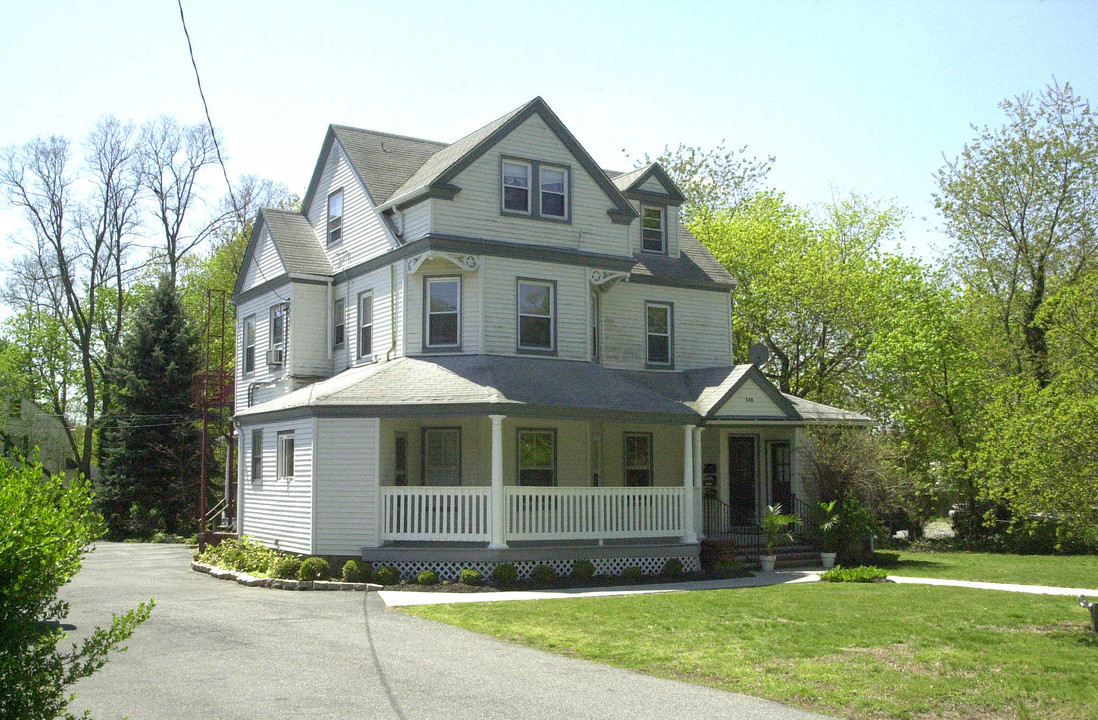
(274, 356)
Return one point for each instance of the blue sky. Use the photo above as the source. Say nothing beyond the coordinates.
(857, 96)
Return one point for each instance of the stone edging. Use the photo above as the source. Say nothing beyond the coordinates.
(278, 583)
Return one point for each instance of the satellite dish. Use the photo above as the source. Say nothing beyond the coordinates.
(758, 354)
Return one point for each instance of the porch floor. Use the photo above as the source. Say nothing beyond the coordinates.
(531, 551)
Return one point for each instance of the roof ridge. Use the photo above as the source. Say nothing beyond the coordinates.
(395, 136)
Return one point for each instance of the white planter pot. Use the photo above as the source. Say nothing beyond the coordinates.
(767, 562)
(827, 560)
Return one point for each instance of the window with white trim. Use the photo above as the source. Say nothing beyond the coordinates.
(249, 345)
(536, 301)
(658, 337)
(335, 217)
(257, 454)
(365, 324)
(638, 459)
(516, 186)
(537, 457)
(442, 456)
(554, 191)
(443, 312)
(285, 460)
(653, 230)
(278, 324)
(339, 323)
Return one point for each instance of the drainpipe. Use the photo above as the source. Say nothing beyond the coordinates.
(239, 479)
(328, 332)
(392, 310)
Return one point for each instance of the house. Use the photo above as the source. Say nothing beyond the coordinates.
(25, 427)
(494, 350)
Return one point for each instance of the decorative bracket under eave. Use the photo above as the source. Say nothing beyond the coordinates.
(469, 263)
(604, 279)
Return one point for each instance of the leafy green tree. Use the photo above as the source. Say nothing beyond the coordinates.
(150, 475)
(46, 527)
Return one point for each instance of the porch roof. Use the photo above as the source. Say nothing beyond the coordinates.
(478, 385)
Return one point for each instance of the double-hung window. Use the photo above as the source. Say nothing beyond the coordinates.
(442, 456)
(554, 191)
(285, 458)
(537, 456)
(659, 317)
(257, 454)
(335, 217)
(339, 323)
(443, 312)
(536, 324)
(279, 315)
(638, 459)
(516, 186)
(249, 345)
(653, 230)
(365, 324)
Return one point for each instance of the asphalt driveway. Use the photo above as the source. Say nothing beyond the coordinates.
(214, 649)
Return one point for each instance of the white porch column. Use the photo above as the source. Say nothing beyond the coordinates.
(699, 510)
(688, 534)
(498, 505)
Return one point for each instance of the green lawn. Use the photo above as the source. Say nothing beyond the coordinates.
(1076, 571)
(858, 651)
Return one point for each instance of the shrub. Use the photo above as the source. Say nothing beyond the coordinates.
(427, 577)
(242, 555)
(505, 574)
(673, 567)
(314, 568)
(356, 572)
(861, 574)
(469, 576)
(286, 567)
(387, 575)
(632, 573)
(544, 575)
(583, 570)
(729, 567)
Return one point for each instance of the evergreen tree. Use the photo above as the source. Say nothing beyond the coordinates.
(150, 475)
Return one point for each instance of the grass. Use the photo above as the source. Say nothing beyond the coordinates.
(1076, 571)
(858, 651)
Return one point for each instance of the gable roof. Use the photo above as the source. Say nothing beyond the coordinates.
(695, 265)
(293, 238)
(630, 183)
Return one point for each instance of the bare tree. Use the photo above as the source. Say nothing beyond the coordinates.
(172, 156)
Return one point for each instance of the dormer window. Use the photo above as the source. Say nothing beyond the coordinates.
(554, 191)
(516, 186)
(335, 217)
(653, 230)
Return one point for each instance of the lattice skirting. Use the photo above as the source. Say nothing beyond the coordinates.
(603, 566)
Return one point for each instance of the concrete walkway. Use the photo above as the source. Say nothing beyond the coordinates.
(214, 649)
(1008, 587)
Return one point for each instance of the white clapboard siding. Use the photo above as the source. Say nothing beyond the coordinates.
(309, 330)
(667, 452)
(378, 283)
(501, 304)
(347, 485)
(364, 235)
(475, 211)
(470, 305)
(749, 400)
(417, 220)
(278, 512)
(260, 308)
(265, 264)
(653, 185)
(702, 326)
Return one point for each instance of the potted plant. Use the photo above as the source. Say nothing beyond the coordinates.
(830, 527)
(775, 526)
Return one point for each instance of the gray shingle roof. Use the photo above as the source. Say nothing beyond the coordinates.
(818, 412)
(624, 179)
(384, 160)
(695, 263)
(296, 242)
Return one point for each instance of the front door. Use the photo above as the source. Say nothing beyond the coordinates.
(741, 475)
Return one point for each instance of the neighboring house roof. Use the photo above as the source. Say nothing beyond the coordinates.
(530, 386)
(460, 384)
(694, 264)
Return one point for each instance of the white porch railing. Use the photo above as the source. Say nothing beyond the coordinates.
(561, 513)
(436, 513)
(532, 513)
